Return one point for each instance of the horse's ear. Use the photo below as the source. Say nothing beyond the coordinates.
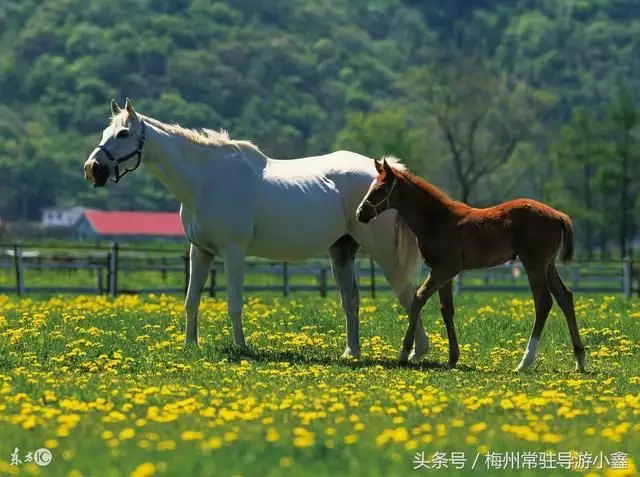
(128, 105)
(115, 109)
(379, 166)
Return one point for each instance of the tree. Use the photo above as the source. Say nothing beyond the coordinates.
(623, 126)
(379, 133)
(578, 153)
(483, 116)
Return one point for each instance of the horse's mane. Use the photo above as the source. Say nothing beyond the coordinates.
(205, 137)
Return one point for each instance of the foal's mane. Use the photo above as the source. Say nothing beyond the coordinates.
(403, 173)
(204, 137)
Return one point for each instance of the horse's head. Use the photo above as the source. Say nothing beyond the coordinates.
(378, 197)
(120, 147)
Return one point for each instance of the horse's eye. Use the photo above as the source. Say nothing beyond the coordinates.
(122, 133)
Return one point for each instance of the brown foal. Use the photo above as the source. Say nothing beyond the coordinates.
(453, 236)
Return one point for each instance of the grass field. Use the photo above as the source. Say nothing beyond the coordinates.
(108, 388)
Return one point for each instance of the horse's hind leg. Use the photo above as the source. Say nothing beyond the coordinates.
(447, 312)
(537, 274)
(564, 297)
(343, 257)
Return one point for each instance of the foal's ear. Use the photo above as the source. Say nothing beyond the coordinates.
(387, 168)
(115, 109)
(379, 166)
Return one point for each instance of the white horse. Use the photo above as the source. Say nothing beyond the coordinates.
(237, 202)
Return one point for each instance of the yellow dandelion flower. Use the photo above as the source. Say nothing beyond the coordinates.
(478, 427)
(126, 434)
(144, 470)
(166, 445)
(551, 438)
(51, 444)
(272, 435)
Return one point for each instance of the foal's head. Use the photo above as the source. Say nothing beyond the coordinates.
(119, 150)
(380, 195)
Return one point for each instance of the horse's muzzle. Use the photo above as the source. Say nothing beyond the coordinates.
(99, 174)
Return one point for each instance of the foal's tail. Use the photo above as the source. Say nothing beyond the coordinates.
(567, 239)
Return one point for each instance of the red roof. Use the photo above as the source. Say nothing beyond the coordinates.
(107, 222)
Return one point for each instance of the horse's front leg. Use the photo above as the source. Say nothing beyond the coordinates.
(199, 263)
(234, 258)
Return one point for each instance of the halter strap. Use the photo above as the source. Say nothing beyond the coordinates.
(387, 199)
(117, 176)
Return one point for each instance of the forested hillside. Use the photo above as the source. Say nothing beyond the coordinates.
(489, 100)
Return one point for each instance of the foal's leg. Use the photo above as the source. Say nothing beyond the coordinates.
(233, 257)
(431, 285)
(199, 263)
(543, 303)
(422, 340)
(564, 297)
(447, 311)
(343, 258)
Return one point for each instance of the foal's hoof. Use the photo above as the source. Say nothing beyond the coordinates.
(403, 357)
(580, 361)
(522, 368)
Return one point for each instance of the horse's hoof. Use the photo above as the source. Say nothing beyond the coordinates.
(416, 355)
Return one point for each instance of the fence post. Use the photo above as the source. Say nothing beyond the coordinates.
(17, 259)
(99, 278)
(626, 277)
(186, 271)
(213, 284)
(285, 279)
(323, 282)
(113, 270)
(372, 276)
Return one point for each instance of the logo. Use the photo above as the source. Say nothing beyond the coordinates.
(42, 457)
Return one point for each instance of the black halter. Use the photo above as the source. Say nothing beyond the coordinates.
(138, 152)
(385, 200)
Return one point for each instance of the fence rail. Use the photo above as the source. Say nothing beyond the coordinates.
(108, 267)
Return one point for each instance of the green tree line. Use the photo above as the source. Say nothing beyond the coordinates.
(488, 100)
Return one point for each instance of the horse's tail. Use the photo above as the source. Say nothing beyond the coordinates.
(567, 239)
(407, 254)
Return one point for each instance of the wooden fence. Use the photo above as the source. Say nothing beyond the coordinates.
(109, 266)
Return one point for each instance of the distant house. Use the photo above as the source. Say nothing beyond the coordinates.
(60, 217)
(107, 224)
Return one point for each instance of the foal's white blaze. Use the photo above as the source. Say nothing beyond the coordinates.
(529, 355)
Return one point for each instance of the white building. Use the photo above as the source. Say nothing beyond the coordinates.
(55, 217)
